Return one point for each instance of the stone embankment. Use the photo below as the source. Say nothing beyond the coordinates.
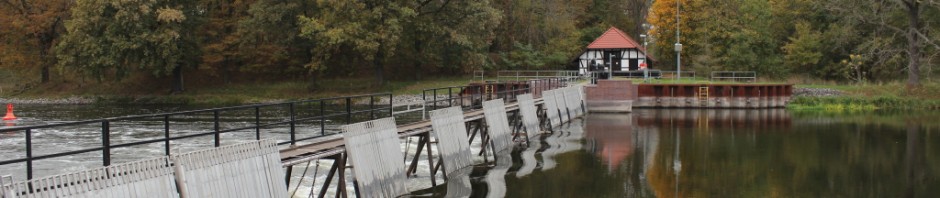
(815, 92)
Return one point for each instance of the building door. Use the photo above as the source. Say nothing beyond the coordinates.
(614, 59)
(634, 64)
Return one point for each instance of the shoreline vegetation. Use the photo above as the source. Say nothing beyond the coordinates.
(807, 97)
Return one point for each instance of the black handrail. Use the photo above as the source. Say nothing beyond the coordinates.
(105, 123)
(476, 94)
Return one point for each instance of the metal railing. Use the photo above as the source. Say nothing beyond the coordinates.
(653, 73)
(347, 109)
(675, 75)
(520, 75)
(734, 75)
(473, 95)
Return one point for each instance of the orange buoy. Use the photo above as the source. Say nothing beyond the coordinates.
(9, 115)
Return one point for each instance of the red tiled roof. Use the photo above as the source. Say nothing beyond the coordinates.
(613, 38)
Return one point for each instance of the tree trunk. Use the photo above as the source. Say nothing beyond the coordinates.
(914, 44)
(378, 61)
(313, 84)
(418, 56)
(177, 80)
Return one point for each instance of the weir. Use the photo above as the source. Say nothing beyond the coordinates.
(500, 120)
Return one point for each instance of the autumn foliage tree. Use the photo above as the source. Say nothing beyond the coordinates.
(28, 31)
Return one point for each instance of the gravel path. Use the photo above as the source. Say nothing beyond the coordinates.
(70, 100)
(816, 92)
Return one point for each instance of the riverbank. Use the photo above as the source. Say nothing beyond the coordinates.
(865, 97)
(404, 92)
(806, 97)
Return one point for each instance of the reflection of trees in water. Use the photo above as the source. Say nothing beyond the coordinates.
(804, 160)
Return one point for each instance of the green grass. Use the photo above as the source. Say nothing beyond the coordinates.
(870, 97)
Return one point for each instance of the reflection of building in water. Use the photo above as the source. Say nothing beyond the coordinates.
(624, 148)
(714, 118)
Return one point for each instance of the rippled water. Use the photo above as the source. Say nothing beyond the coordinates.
(87, 136)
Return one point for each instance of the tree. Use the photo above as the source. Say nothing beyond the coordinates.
(220, 37)
(30, 29)
(804, 51)
(371, 28)
(448, 36)
(269, 41)
(114, 38)
(901, 22)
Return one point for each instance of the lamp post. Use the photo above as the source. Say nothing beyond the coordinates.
(678, 45)
(610, 66)
(646, 74)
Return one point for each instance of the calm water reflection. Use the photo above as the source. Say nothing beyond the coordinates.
(726, 153)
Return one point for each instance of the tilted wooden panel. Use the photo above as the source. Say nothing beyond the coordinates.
(530, 119)
(375, 154)
(494, 111)
(145, 178)
(452, 141)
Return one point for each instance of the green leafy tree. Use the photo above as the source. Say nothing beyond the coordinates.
(372, 29)
(111, 39)
(897, 26)
(804, 51)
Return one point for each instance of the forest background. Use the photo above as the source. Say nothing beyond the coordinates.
(153, 46)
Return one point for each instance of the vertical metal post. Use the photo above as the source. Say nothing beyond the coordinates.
(166, 134)
(371, 107)
(322, 118)
(348, 110)
(257, 123)
(29, 154)
(391, 105)
(215, 121)
(106, 143)
(450, 96)
(434, 106)
(293, 131)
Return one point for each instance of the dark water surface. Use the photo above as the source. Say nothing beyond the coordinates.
(727, 153)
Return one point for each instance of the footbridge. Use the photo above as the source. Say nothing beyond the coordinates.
(261, 144)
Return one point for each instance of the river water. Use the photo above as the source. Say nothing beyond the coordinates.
(647, 153)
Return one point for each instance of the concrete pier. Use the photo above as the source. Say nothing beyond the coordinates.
(623, 95)
(610, 96)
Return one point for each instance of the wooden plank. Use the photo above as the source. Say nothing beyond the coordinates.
(333, 144)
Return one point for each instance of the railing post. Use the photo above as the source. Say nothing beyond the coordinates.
(450, 96)
(215, 121)
(391, 105)
(434, 106)
(372, 107)
(348, 110)
(322, 118)
(257, 123)
(166, 134)
(293, 131)
(106, 143)
(29, 154)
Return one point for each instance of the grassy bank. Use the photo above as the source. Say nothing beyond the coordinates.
(225, 93)
(869, 97)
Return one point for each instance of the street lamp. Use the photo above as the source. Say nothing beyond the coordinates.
(678, 45)
(610, 66)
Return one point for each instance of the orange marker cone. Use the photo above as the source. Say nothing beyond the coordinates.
(9, 115)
